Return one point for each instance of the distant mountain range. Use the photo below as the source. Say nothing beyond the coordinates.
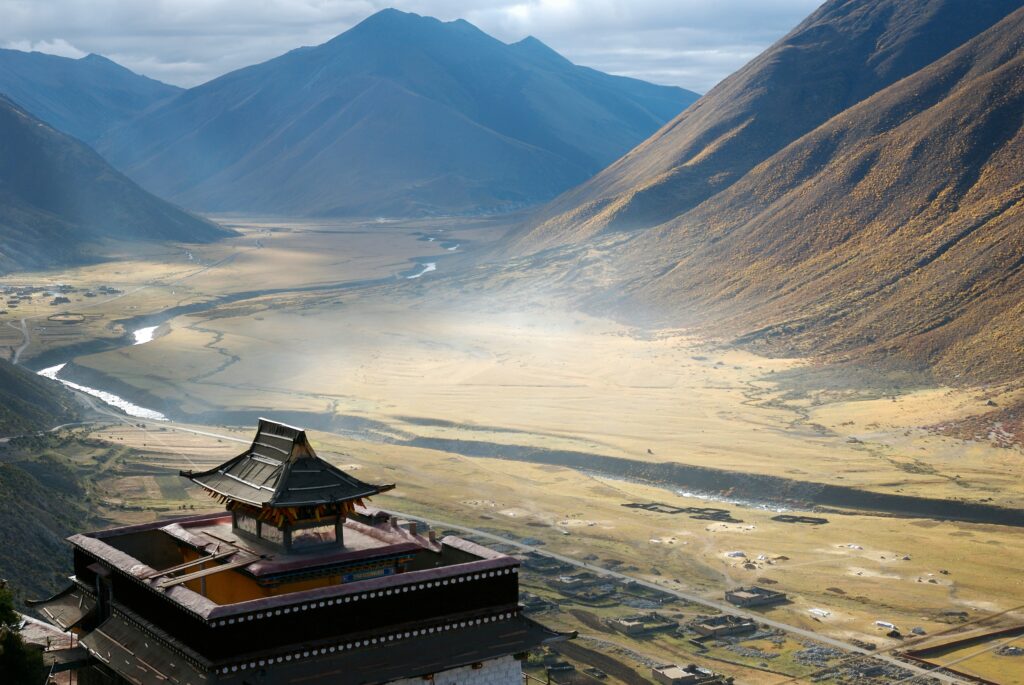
(57, 196)
(858, 188)
(401, 115)
(83, 97)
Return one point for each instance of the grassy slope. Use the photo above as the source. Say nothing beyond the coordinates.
(890, 229)
(56, 195)
(41, 503)
(895, 228)
(844, 52)
(29, 403)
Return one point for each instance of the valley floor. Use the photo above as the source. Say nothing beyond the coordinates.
(475, 401)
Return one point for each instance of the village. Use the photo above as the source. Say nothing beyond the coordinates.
(633, 628)
(14, 296)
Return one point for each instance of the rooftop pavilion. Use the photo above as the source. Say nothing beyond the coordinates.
(281, 494)
(300, 577)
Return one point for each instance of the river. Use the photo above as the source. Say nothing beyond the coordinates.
(144, 335)
(110, 398)
(426, 268)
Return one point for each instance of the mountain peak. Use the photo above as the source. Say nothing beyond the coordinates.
(386, 27)
(537, 48)
(389, 14)
(391, 19)
(392, 22)
(400, 115)
(84, 96)
(102, 62)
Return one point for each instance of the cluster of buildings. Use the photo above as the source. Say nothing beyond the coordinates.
(596, 589)
(16, 295)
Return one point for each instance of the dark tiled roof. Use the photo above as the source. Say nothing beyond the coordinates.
(66, 608)
(280, 469)
(143, 658)
(133, 648)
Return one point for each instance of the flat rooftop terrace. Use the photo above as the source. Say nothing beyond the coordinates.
(202, 564)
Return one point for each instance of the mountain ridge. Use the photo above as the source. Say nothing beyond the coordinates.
(83, 97)
(303, 133)
(843, 52)
(895, 229)
(891, 233)
(58, 196)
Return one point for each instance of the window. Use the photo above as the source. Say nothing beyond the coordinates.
(246, 524)
(269, 532)
(315, 535)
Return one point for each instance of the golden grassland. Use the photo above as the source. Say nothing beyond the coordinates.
(533, 374)
(267, 255)
(435, 357)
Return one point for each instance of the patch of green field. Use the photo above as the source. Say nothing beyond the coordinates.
(172, 487)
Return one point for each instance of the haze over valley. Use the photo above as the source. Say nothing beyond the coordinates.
(766, 336)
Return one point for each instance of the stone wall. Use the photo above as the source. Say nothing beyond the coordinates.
(502, 671)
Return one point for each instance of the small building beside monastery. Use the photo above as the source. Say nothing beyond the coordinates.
(754, 596)
(722, 625)
(687, 675)
(298, 581)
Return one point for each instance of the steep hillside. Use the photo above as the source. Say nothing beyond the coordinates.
(896, 229)
(401, 115)
(843, 53)
(29, 403)
(41, 503)
(57, 195)
(83, 97)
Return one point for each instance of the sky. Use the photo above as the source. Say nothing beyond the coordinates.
(688, 43)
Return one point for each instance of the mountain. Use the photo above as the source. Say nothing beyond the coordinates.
(57, 196)
(400, 115)
(30, 403)
(83, 97)
(895, 229)
(841, 54)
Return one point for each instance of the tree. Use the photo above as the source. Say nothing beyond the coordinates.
(20, 664)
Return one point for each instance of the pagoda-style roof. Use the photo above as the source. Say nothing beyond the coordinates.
(279, 470)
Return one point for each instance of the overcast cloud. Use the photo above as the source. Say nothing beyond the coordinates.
(689, 43)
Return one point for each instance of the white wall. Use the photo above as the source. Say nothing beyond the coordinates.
(502, 671)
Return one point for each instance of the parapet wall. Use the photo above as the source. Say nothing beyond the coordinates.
(504, 671)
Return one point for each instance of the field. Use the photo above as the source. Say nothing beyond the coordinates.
(432, 358)
(992, 655)
(475, 400)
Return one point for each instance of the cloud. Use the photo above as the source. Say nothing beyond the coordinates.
(59, 47)
(691, 43)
